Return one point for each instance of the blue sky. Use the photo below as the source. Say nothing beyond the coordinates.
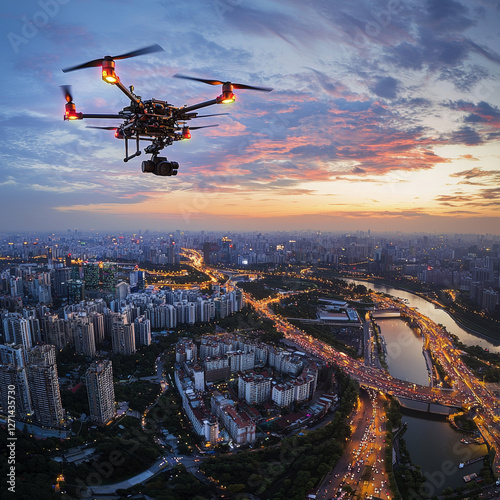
(384, 114)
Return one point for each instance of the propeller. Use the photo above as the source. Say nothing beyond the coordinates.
(203, 126)
(187, 127)
(186, 131)
(97, 62)
(103, 128)
(219, 82)
(206, 116)
(67, 92)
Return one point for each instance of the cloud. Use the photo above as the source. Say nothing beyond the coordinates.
(467, 136)
(386, 87)
(478, 177)
(361, 94)
(448, 15)
(475, 173)
(482, 200)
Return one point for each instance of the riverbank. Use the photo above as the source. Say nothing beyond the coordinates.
(489, 338)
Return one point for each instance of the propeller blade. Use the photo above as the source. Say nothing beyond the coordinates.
(97, 62)
(91, 64)
(219, 82)
(206, 116)
(203, 126)
(67, 92)
(251, 87)
(203, 80)
(139, 52)
(103, 128)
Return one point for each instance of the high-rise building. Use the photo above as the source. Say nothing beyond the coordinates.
(12, 354)
(16, 330)
(142, 327)
(61, 276)
(108, 277)
(185, 350)
(254, 388)
(122, 335)
(100, 390)
(241, 361)
(13, 372)
(138, 279)
(122, 290)
(44, 385)
(55, 331)
(98, 322)
(91, 276)
(16, 287)
(76, 272)
(75, 290)
(83, 336)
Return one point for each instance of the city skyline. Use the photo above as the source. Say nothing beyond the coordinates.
(384, 116)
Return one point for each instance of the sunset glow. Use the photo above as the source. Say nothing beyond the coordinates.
(383, 115)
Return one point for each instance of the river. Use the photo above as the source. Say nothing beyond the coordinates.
(404, 351)
(436, 314)
(431, 441)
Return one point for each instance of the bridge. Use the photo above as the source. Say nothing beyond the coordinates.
(386, 313)
(380, 380)
(426, 407)
(425, 398)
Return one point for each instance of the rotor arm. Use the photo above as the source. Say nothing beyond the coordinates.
(91, 115)
(129, 94)
(198, 106)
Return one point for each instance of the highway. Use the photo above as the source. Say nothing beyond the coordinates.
(467, 391)
(361, 466)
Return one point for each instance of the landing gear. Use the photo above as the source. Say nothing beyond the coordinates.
(160, 166)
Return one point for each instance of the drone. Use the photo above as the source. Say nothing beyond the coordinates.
(155, 121)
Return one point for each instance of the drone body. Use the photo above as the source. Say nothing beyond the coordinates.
(154, 120)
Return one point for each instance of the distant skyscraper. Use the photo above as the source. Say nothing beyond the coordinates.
(16, 287)
(44, 385)
(100, 390)
(91, 276)
(108, 277)
(138, 279)
(62, 275)
(75, 290)
(122, 290)
(76, 272)
(49, 256)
